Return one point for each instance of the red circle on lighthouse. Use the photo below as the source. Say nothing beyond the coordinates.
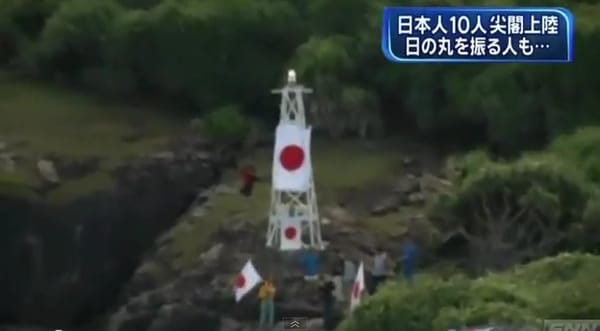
(290, 232)
(240, 281)
(291, 157)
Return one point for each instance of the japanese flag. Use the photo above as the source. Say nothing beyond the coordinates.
(291, 162)
(291, 234)
(358, 287)
(246, 281)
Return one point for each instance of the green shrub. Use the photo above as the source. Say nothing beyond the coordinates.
(582, 149)
(226, 124)
(21, 22)
(515, 107)
(207, 53)
(511, 212)
(75, 35)
(551, 288)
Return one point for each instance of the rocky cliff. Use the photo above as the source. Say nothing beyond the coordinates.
(200, 297)
(64, 264)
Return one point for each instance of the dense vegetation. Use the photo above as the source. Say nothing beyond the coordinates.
(562, 287)
(507, 213)
(211, 54)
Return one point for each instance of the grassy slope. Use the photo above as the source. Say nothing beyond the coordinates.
(338, 167)
(45, 120)
(42, 120)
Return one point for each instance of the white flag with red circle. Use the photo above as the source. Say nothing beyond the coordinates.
(246, 281)
(291, 234)
(292, 169)
(358, 287)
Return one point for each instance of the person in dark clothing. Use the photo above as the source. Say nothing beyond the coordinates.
(327, 289)
(249, 177)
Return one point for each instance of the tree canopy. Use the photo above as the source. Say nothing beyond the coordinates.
(208, 54)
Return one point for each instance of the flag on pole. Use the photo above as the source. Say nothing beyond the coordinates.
(291, 234)
(291, 160)
(358, 287)
(246, 281)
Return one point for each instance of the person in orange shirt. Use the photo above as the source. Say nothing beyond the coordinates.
(266, 294)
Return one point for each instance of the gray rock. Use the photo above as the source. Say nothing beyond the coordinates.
(213, 254)
(387, 205)
(47, 171)
(224, 189)
(338, 215)
(407, 184)
(198, 211)
(164, 155)
(431, 184)
(416, 198)
(204, 156)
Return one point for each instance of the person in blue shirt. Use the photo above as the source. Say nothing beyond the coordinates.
(310, 264)
(409, 257)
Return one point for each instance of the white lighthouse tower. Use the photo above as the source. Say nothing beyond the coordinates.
(297, 206)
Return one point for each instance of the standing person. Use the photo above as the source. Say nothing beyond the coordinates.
(327, 288)
(338, 291)
(249, 177)
(409, 257)
(266, 294)
(310, 264)
(380, 271)
(348, 276)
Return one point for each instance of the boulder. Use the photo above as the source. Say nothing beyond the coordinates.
(338, 214)
(416, 198)
(432, 184)
(386, 206)
(164, 155)
(407, 184)
(213, 254)
(47, 171)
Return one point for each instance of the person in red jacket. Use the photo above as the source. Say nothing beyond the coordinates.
(249, 177)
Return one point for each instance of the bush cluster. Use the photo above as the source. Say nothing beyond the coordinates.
(211, 53)
(560, 287)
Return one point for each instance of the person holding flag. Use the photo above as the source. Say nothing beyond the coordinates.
(358, 288)
(266, 295)
(246, 281)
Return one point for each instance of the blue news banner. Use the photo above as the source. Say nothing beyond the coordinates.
(473, 34)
